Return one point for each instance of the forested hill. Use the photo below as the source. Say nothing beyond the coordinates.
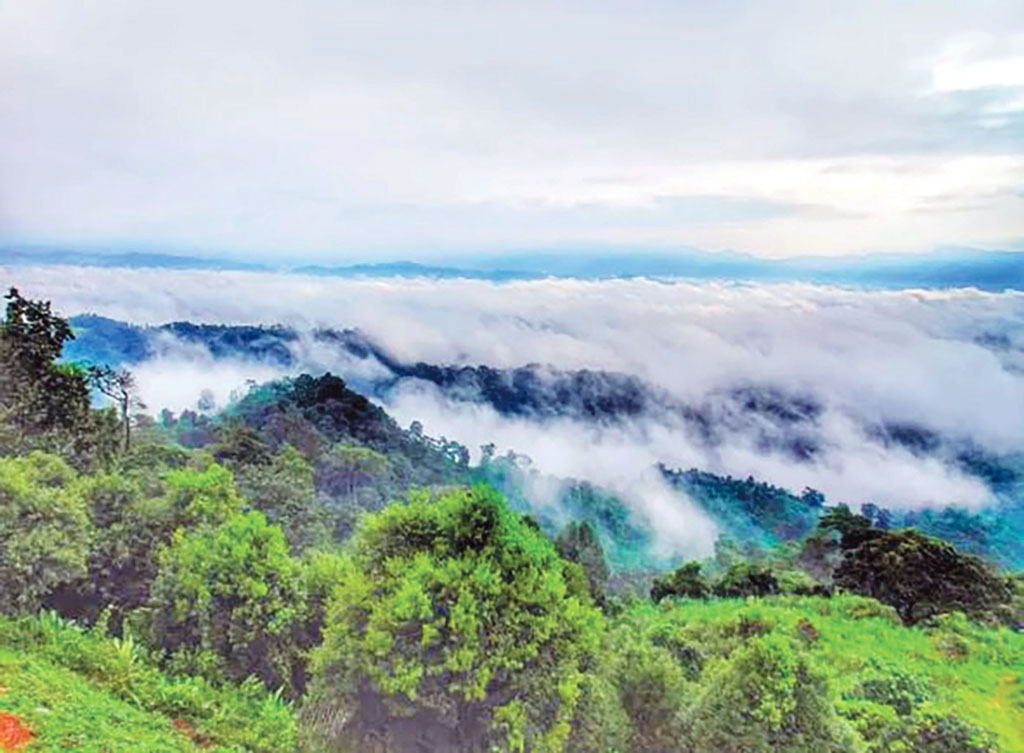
(768, 418)
(778, 420)
(299, 573)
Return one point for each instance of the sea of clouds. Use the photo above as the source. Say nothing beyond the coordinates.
(949, 361)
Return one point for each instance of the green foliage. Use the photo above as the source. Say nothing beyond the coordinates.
(282, 488)
(895, 686)
(686, 581)
(228, 602)
(920, 576)
(744, 579)
(201, 497)
(455, 613)
(44, 404)
(652, 688)
(768, 697)
(45, 532)
(80, 690)
(348, 467)
(579, 543)
(853, 529)
(749, 509)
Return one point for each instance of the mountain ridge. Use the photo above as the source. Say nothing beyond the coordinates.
(993, 270)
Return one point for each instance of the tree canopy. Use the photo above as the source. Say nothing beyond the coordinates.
(454, 628)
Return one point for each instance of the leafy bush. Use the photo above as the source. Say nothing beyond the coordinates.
(228, 602)
(768, 697)
(453, 627)
(45, 532)
(77, 687)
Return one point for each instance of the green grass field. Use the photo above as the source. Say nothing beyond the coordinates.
(79, 691)
(956, 667)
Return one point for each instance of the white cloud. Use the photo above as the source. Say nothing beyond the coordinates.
(868, 357)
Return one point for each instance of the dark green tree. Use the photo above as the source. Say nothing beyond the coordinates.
(45, 404)
(920, 576)
(579, 543)
(743, 579)
(853, 529)
(685, 581)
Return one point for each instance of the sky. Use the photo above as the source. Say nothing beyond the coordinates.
(324, 130)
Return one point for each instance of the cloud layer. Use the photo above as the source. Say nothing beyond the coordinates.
(951, 362)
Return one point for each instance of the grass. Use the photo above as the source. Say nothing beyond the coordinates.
(972, 671)
(77, 690)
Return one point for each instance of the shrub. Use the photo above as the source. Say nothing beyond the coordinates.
(228, 602)
(452, 628)
(45, 533)
(768, 697)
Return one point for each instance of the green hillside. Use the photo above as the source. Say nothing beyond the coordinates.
(79, 690)
(301, 573)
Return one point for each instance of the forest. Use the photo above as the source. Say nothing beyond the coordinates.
(297, 572)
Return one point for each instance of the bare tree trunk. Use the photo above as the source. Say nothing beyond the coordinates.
(127, 423)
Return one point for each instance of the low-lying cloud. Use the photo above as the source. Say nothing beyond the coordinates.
(949, 362)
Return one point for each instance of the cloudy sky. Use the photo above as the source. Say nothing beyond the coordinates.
(327, 130)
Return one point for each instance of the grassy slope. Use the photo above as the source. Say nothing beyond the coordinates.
(975, 672)
(67, 712)
(80, 691)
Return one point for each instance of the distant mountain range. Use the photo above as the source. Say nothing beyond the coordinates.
(948, 267)
(132, 260)
(764, 417)
(776, 421)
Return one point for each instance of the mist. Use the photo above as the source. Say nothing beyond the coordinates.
(950, 362)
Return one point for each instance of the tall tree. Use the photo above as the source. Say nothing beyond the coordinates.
(36, 393)
(119, 386)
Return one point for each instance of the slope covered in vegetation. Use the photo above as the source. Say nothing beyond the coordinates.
(76, 689)
(298, 572)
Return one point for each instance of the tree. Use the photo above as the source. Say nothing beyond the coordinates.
(347, 468)
(685, 581)
(135, 512)
(853, 529)
(45, 533)
(239, 445)
(578, 543)
(119, 386)
(812, 498)
(228, 602)
(283, 490)
(920, 576)
(652, 687)
(743, 579)
(768, 697)
(452, 628)
(37, 394)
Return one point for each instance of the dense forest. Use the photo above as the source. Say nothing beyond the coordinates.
(297, 571)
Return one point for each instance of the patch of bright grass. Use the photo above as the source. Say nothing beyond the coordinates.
(78, 690)
(962, 668)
